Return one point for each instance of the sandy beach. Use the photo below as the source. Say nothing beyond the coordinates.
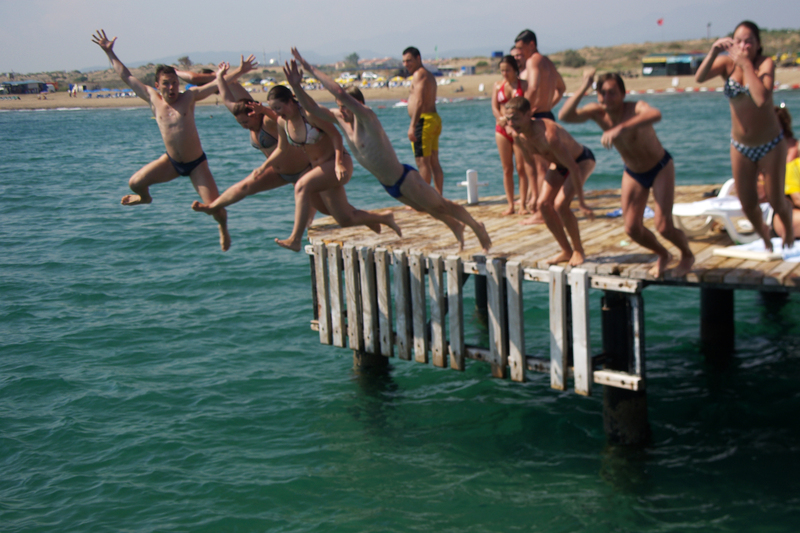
(471, 86)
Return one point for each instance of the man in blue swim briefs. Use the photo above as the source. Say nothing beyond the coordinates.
(574, 163)
(628, 126)
(174, 113)
(426, 126)
(545, 88)
(372, 148)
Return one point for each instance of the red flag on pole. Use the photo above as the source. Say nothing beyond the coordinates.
(660, 22)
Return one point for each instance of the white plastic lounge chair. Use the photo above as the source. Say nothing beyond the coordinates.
(722, 208)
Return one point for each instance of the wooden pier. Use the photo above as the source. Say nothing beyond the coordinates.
(372, 292)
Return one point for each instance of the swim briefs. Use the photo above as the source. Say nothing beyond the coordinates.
(427, 130)
(502, 131)
(646, 179)
(586, 154)
(545, 114)
(184, 169)
(394, 190)
(293, 178)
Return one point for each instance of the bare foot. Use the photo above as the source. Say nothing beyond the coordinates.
(483, 238)
(224, 238)
(508, 211)
(661, 265)
(524, 211)
(374, 226)
(768, 243)
(684, 267)
(559, 258)
(202, 208)
(289, 245)
(535, 219)
(577, 258)
(135, 199)
(389, 217)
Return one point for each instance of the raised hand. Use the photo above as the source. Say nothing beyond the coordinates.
(246, 65)
(255, 108)
(588, 75)
(294, 75)
(102, 41)
(722, 44)
(300, 59)
(222, 69)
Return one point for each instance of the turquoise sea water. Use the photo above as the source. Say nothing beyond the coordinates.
(149, 382)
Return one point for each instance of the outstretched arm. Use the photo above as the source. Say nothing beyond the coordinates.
(644, 115)
(210, 88)
(295, 78)
(570, 112)
(141, 90)
(332, 87)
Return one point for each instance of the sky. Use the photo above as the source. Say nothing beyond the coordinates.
(49, 35)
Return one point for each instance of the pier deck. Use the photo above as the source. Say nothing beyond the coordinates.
(608, 250)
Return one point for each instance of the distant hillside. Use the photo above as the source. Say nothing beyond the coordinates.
(626, 57)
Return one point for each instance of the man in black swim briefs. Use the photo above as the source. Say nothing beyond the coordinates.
(174, 113)
(628, 126)
(545, 88)
(574, 164)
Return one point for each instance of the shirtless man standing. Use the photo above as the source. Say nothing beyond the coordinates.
(426, 126)
(628, 127)
(545, 88)
(174, 113)
(372, 148)
(574, 163)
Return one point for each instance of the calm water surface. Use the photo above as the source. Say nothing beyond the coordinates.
(149, 382)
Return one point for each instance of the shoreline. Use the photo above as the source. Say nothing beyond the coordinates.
(467, 87)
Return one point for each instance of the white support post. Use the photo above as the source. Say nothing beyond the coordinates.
(352, 285)
(402, 302)
(495, 275)
(323, 303)
(337, 297)
(436, 292)
(369, 300)
(516, 321)
(558, 328)
(581, 350)
(455, 300)
(384, 302)
(416, 265)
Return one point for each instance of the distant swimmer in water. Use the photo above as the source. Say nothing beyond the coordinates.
(174, 113)
(287, 167)
(628, 127)
(510, 86)
(426, 126)
(545, 89)
(331, 167)
(757, 143)
(574, 163)
(372, 148)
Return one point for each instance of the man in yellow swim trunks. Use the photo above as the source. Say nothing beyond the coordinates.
(426, 126)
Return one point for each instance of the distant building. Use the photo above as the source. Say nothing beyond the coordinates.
(671, 64)
(24, 87)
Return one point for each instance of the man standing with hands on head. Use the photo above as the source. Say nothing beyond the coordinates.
(545, 88)
(426, 126)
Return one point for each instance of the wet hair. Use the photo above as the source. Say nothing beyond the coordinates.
(518, 103)
(602, 78)
(355, 92)
(786, 121)
(753, 28)
(411, 50)
(511, 62)
(282, 94)
(240, 107)
(164, 70)
(526, 36)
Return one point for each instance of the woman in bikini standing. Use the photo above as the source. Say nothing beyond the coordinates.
(756, 138)
(331, 169)
(509, 87)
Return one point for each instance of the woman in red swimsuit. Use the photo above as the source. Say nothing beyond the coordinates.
(509, 87)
